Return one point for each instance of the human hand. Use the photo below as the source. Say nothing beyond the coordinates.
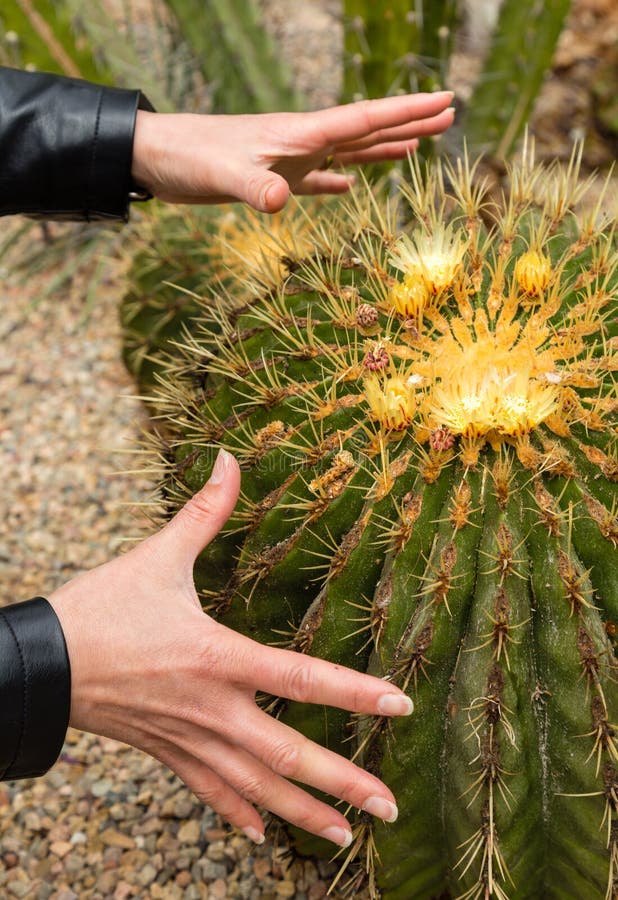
(259, 159)
(149, 668)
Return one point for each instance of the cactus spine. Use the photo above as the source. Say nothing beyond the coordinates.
(427, 427)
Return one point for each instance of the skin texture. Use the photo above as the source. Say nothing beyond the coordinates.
(151, 669)
(148, 666)
(261, 159)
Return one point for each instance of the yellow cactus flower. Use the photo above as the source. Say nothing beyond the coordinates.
(410, 296)
(533, 272)
(392, 400)
(434, 259)
(481, 397)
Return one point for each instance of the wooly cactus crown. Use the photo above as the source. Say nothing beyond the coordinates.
(425, 411)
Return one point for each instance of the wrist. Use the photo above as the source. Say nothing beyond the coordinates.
(143, 150)
(66, 603)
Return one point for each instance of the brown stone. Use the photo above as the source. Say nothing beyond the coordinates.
(61, 848)
(189, 833)
(218, 890)
(317, 890)
(112, 838)
(183, 879)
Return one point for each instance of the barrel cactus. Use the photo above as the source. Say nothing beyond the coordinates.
(196, 250)
(425, 414)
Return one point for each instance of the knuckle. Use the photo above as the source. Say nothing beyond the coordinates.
(253, 787)
(210, 795)
(200, 506)
(312, 817)
(284, 759)
(352, 789)
(299, 682)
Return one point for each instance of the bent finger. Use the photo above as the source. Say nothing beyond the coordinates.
(213, 791)
(260, 785)
(293, 756)
(318, 182)
(379, 153)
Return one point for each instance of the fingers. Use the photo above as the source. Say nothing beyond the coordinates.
(296, 676)
(318, 182)
(434, 125)
(203, 516)
(357, 120)
(379, 153)
(293, 756)
(266, 191)
(256, 783)
(213, 791)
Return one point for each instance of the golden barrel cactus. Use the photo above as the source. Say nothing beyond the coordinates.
(424, 408)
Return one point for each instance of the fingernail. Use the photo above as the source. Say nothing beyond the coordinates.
(340, 836)
(383, 809)
(449, 94)
(450, 109)
(220, 467)
(395, 705)
(254, 835)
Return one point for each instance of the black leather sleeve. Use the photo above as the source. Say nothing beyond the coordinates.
(66, 146)
(35, 689)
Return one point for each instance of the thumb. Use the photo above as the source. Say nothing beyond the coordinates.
(266, 191)
(202, 517)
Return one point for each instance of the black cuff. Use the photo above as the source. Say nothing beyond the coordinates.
(35, 689)
(66, 146)
(110, 184)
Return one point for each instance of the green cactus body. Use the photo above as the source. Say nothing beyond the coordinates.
(427, 427)
(197, 249)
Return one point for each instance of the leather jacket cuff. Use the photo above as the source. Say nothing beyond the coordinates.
(66, 147)
(35, 689)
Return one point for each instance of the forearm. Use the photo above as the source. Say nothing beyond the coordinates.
(65, 146)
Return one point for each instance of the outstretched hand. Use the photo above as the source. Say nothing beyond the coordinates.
(260, 159)
(148, 667)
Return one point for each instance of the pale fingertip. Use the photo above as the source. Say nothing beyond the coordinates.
(395, 705)
(221, 467)
(340, 836)
(254, 835)
(381, 808)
